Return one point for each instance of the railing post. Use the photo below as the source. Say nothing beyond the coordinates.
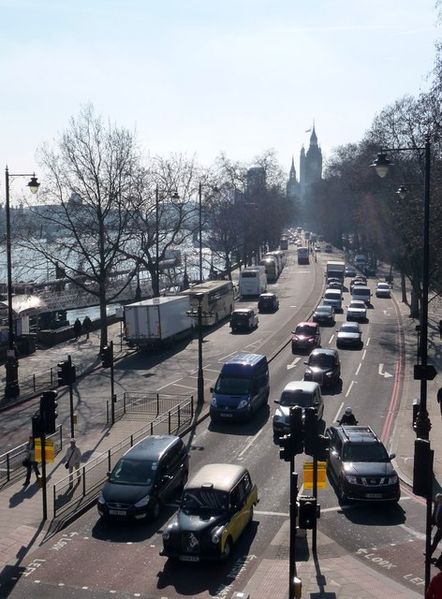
(179, 417)
(33, 381)
(151, 427)
(131, 440)
(191, 407)
(168, 422)
(61, 437)
(54, 496)
(109, 460)
(50, 371)
(8, 472)
(107, 412)
(158, 404)
(84, 481)
(124, 403)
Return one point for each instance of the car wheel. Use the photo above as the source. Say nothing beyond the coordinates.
(227, 549)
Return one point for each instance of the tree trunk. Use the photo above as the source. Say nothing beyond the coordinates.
(414, 302)
(403, 289)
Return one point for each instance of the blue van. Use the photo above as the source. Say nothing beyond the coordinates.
(241, 388)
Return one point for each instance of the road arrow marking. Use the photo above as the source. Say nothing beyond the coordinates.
(386, 375)
(293, 364)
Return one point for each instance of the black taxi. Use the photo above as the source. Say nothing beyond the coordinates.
(216, 506)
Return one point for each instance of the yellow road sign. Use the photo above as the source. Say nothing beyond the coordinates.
(49, 450)
(308, 475)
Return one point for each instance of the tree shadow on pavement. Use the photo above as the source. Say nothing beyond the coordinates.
(249, 428)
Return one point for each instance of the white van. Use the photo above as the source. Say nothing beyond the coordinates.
(361, 293)
(333, 297)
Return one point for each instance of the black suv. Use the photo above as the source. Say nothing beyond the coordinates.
(360, 466)
(323, 367)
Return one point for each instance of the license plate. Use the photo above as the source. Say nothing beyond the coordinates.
(373, 495)
(226, 415)
(189, 558)
(118, 512)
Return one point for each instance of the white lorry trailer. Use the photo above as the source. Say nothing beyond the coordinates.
(336, 269)
(158, 321)
(252, 281)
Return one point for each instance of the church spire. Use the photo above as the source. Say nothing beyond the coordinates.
(313, 137)
(293, 170)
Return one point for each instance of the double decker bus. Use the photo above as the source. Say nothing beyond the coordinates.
(216, 300)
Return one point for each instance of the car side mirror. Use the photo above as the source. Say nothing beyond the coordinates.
(305, 362)
(276, 401)
(392, 456)
(108, 475)
(211, 389)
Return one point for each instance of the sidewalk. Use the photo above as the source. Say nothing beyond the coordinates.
(336, 574)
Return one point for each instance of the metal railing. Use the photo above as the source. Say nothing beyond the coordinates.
(11, 467)
(77, 490)
(142, 405)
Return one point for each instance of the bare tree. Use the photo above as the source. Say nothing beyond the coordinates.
(88, 178)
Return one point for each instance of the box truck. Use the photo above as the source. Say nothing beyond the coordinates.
(157, 321)
(336, 269)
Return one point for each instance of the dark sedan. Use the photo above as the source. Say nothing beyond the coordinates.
(268, 302)
(323, 367)
(324, 315)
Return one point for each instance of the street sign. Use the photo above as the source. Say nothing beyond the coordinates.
(308, 475)
(424, 373)
(49, 450)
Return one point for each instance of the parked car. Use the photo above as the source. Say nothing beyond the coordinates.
(350, 271)
(216, 506)
(328, 249)
(383, 290)
(349, 335)
(357, 310)
(306, 336)
(360, 466)
(243, 319)
(323, 366)
(324, 315)
(147, 475)
(305, 394)
(268, 302)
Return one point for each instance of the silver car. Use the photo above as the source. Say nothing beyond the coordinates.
(357, 310)
(349, 335)
(305, 394)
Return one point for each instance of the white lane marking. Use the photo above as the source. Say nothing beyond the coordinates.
(183, 386)
(368, 342)
(172, 383)
(349, 389)
(338, 412)
(250, 443)
(282, 514)
(293, 364)
(415, 533)
(206, 378)
(364, 354)
(209, 369)
(257, 342)
(331, 338)
(292, 306)
(358, 369)
(223, 358)
(383, 372)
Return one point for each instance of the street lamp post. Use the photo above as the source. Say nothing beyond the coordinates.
(12, 388)
(422, 370)
(200, 226)
(200, 398)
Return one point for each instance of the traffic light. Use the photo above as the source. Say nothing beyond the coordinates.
(107, 356)
(37, 425)
(310, 431)
(307, 512)
(48, 411)
(286, 449)
(323, 448)
(423, 468)
(63, 373)
(296, 433)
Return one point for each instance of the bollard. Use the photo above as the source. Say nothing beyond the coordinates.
(416, 406)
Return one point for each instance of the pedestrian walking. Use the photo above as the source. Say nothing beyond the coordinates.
(72, 460)
(440, 328)
(29, 462)
(439, 400)
(436, 519)
(77, 328)
(87, 323)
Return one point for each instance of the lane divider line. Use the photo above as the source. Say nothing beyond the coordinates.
(349, 389)
(358, 369)
(338, 412)
(364, 353)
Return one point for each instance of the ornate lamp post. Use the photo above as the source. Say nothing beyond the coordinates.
(12, 388)
(200, 395)
(422, 371)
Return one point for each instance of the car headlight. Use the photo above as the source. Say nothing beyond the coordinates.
(213, 402)
(351, 479)
(143, 501)
(392, 480)
(101, 499)
(244, 403)
(217, 534)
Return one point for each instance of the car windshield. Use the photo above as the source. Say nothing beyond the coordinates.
(357, 304)
(322, 360)
(296, 398)
(349, 328)
(323, 309)
(226, 385)
(305, 330)
(383, 286)
(365, 452)
(207, 501)
(134, 472)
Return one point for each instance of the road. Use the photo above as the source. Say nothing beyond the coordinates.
(91, 558)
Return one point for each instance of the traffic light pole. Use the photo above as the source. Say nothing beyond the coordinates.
(293, 514)
(315, 495)
(43, 473)
(71, 399)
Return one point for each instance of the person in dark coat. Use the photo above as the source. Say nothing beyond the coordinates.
(30, 462)
(439, 400)
(440, 328)
(87, 323)
(437, 522)
(77, 328)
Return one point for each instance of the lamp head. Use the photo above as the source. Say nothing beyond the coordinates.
(33, 184)
(382, 164)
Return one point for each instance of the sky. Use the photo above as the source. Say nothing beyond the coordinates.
(202, 77)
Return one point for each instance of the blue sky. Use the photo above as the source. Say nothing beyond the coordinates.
(204, 76)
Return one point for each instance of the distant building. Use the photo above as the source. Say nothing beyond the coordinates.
(310, 170)
(256, 180)
(293, 185)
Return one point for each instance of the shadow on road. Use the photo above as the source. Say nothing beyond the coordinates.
(242, 428)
